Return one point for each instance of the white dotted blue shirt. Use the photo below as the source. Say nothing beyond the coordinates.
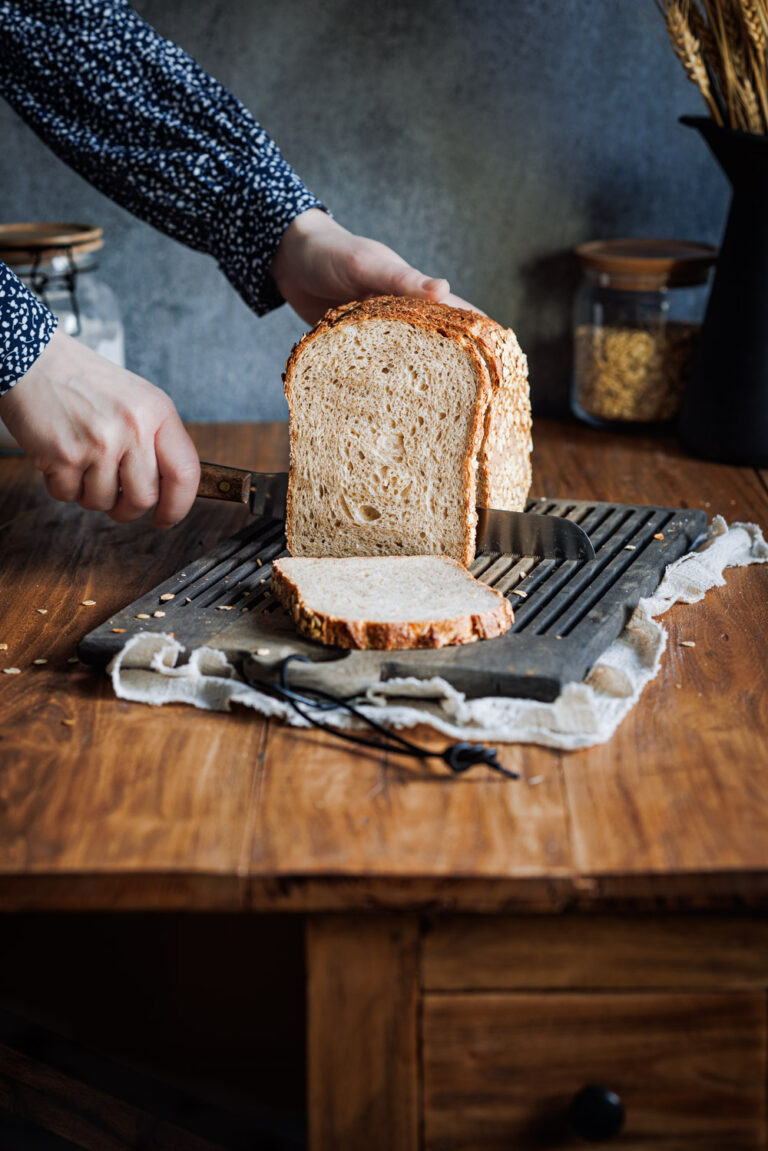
(137, 117)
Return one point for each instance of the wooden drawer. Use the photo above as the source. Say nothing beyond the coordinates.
(500, 1070)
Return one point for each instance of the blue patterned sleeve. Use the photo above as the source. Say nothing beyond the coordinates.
(26, 326)
(137, 117)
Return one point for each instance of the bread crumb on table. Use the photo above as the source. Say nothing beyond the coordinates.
(86, 603)
(167, 595)
(39, 662)
(11, 671)
(42, 610)
(159, 614)
(143, 615)
(687, 643)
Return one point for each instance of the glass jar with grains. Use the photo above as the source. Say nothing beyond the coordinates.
(637, 318)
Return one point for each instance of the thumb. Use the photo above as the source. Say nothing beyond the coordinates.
(378, 271)
(407, 281)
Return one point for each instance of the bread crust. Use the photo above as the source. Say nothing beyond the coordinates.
(497, 470)
(369, 635)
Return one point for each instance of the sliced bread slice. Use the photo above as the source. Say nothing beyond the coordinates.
(389, 602)
(394, 406)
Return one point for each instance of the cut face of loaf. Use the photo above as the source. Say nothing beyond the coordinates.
(388, 602)
(404, 415)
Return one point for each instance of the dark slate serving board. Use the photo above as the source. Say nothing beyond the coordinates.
(570, 612)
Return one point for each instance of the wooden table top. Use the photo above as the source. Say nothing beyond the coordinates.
(108, 804)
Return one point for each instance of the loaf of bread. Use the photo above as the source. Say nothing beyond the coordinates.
(404, 416)
(389, 602)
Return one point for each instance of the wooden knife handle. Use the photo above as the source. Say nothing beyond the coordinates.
(221, 483)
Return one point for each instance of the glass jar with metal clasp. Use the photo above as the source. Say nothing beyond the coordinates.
(58, 262)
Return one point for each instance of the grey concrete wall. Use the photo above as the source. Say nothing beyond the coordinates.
(482, 139)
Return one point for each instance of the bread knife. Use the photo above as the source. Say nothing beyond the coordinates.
(512, 533)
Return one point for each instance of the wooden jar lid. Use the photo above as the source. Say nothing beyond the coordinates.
(647, 264)
(22, 244)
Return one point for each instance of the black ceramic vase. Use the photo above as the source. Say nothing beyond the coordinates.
(725, 409)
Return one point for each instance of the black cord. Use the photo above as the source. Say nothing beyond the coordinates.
(459, 757)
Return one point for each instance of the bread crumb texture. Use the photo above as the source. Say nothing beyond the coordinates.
(404, 416)
(389, 602)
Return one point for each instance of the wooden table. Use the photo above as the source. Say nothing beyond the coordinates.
(477, 949)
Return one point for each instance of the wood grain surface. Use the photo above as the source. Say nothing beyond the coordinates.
(108, 804)
(501, 1070)
(363, 996)
(705, 951)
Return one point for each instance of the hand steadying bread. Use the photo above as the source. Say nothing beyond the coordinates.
(405, 415)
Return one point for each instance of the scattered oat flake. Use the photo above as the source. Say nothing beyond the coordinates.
(262, 581)
(42, 610)
(11, 671)
(659, 536)
(678, 686)
(630, 547)
(143, 615)
(68, 722)
(3, 647)
(225, 607)
(187, 599)
(39, 662)
(119, 630)
(167, 595)
(687, 643)
(159, 614)
(86, 603)
(259, 563)
(262, 651)
(245, 609)
(73, 659)
(522, 594)
(535, 779)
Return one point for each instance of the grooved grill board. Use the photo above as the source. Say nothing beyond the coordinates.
(569, 613)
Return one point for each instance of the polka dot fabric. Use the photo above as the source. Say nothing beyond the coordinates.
(26, 326)
(137, 117)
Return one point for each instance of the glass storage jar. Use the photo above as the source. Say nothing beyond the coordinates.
(637, 319)
(57, 261)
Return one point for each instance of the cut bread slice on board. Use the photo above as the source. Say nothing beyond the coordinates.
(389, 602)
(404, 415)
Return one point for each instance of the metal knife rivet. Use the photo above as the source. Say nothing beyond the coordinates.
(224, 486)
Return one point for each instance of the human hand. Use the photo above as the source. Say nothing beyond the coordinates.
(319, 265)
(102, 436)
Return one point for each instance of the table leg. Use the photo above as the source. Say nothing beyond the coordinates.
(363, 996)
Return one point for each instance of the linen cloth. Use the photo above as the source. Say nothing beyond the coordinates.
(584, 714)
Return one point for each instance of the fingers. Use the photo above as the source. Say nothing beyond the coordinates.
(65, 483)
(100, 487)
(179, 469)
(457, 302)
(390, 276)
(139, 485)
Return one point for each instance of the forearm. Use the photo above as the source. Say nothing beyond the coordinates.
(137, 117)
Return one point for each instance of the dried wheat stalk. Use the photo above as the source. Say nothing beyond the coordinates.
(723, 47)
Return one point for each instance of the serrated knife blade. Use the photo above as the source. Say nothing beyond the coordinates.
(512, 533)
